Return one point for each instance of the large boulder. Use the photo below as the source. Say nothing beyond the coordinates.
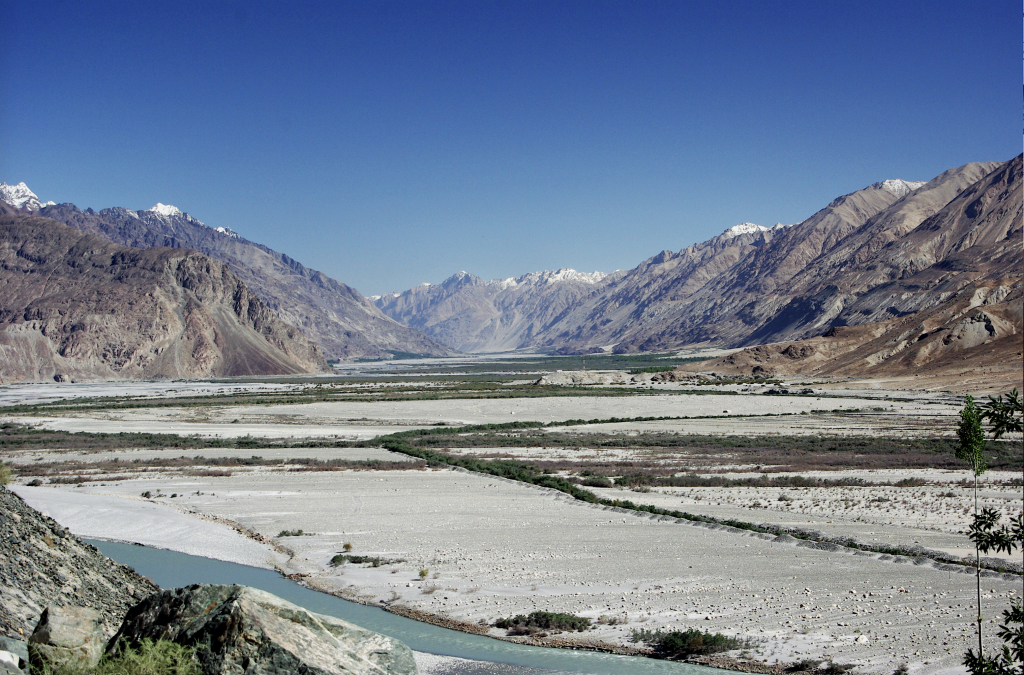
(13, 656)
(68, 635)
(237, 629)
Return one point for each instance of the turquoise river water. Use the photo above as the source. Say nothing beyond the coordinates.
(170, 569)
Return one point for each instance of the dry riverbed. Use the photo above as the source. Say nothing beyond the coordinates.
(491, 548)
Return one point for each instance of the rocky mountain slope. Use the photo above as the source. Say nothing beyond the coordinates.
(74, 305)
(473, 315)
(973, 342)
(344, 323)
(43, 565)
(892, 249)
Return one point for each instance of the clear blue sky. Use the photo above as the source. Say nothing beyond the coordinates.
(388, 143)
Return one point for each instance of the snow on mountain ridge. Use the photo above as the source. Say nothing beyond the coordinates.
(549, 277)
(19, 196)
(166, 210)
(898, 186)
(169, 211)
(743, 228)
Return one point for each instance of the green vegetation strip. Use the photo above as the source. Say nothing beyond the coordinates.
(403, 443)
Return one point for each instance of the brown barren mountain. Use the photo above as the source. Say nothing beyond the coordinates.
(946, 298)
(786, 283)
(75, 306)
(336, 316)
(974, 342)
(888, 250)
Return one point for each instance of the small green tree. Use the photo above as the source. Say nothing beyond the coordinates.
(988, 537)
(1003, 416)
(971, 449)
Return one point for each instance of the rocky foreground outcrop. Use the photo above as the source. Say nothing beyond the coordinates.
(44, 565)
(237, 629)
(74, 306)
(64, 601)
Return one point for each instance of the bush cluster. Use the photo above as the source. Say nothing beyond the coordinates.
(523, 624)
(373, 561)
(680, 644)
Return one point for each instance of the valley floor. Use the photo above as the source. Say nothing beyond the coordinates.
(493, 548)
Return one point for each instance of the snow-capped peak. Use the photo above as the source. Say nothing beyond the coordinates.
(549, 277)
(898, 186)
(228, 231)
(743, 228)
(166, 210)
(19, 196)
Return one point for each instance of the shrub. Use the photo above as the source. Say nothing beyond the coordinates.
(373, 561)
(597, 481)
(290, 533)
(5, 474)
(424, 573)
(536, 621)
(678, 644)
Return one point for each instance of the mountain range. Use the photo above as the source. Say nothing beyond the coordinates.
(892, 249)
(892, 257)
(335, 316)
(76, 306)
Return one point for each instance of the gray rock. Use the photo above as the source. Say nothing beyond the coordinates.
(13, 656)
(237, 629)
(68, 635)
(44, 565)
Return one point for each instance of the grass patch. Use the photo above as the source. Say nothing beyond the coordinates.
(149, 658)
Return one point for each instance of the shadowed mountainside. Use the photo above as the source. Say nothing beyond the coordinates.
(77, 306)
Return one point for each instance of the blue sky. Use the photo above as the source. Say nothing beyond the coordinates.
(390, 143)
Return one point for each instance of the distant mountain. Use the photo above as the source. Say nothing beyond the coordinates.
(891, 249)
(344, 323)
(76, 306)
(788, 284)
(473, 315)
